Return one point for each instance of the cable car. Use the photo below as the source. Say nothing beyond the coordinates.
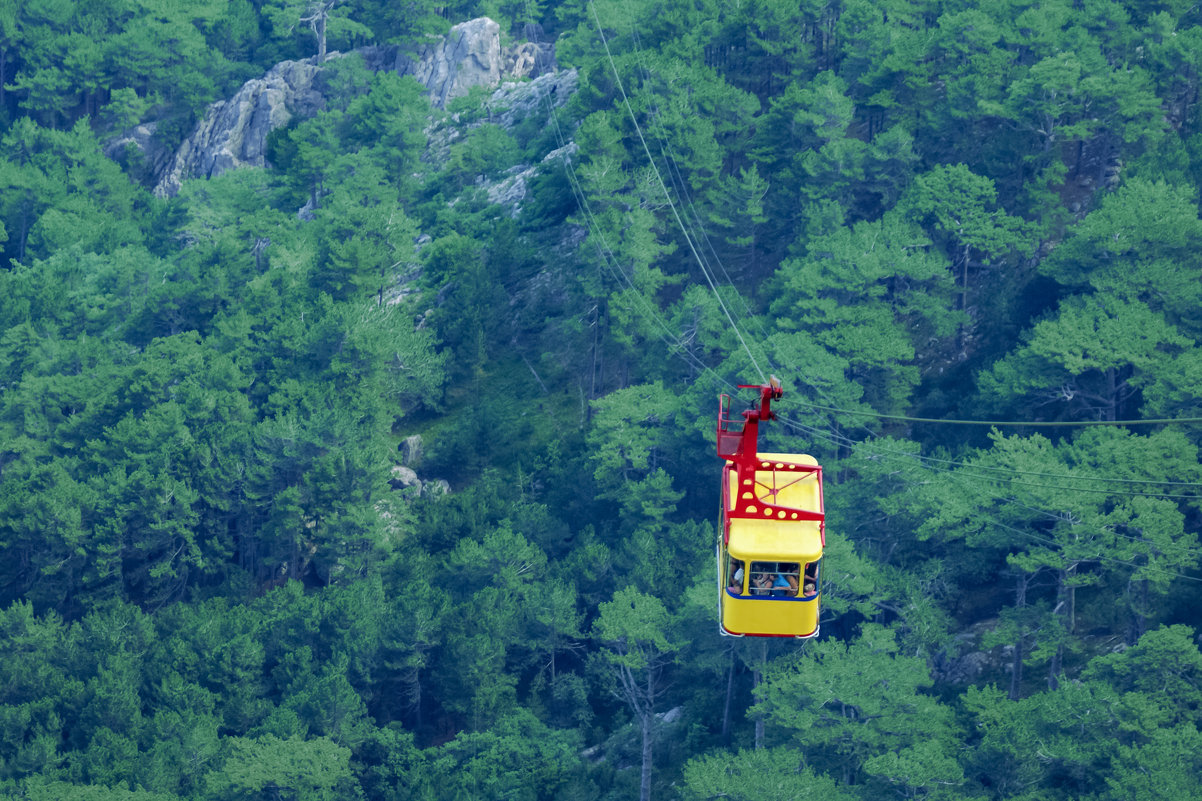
(772, 531)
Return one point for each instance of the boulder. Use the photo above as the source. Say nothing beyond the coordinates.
(508, 106)
(528, 60)
(511, 190)
(965, 669)
(411, 450)
(405, 478)
(469, 56)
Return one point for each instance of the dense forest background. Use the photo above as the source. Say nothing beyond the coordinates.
(213, 585)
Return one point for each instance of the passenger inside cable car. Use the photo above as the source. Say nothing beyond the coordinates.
(775, 579)
(735, 571)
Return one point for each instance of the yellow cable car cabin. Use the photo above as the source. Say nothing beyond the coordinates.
(772, 531)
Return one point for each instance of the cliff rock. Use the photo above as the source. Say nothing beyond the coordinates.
(515, 101)
(469, 56)
(233, 133)
(511, 103)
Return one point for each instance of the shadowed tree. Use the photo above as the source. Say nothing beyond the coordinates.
(633, 629)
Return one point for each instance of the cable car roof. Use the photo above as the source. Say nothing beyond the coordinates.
(775, 540)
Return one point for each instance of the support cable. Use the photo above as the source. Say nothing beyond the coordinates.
(692, 247)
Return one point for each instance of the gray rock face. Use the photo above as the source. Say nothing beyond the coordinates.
(511, 103)
(529, 60)
(142, 140)
(511, 190)
(514, 101)
(469, 56)
(405, 478)
(411, 450)
(234, 132)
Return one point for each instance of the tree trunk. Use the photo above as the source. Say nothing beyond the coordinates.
(417, 700)
(1113, 408)
(592, 392)
(1138, 591)
(730, 691)
(24, 236)
(1065, 599)
(964, 281)
(647, 720)
(320, 28)
(756, 678)
(1016, 665)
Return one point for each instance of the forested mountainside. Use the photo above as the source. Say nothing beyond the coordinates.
(372, 456)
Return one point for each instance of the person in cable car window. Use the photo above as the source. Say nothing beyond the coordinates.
(784, 585)
(761, 583)
(811, 580)
(736, 577)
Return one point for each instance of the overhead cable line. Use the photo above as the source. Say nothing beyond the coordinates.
(1007, 500)
(967, 470)
(692, 247)
(1054, 546)
(679, 184)
(1094, 490)
(607, 257)
(1105, 479)
(682, 188)
(847, 441)
(1009, 423)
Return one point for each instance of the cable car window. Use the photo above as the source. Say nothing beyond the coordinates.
(810, 580)
(734, 575)
(775, 579)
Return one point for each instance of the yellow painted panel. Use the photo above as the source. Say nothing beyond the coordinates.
(770, 616)
(775, 540)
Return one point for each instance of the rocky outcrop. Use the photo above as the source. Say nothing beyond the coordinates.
(528, 60)
(513, 101)
(511, 190)
(411, 450)
(469, 56)
(143, 145)
(404, 479)
(233, 133)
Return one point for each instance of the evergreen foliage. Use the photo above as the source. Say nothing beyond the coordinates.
(228, 571)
